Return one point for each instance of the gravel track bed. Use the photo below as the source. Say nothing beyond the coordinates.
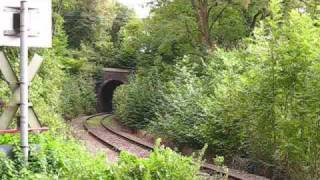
(233, 174)
(102, 136)
(119, 143)
(128, 136)
(92, 144)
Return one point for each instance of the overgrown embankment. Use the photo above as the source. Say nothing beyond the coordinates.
(259, 103)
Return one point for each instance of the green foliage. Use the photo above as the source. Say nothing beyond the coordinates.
(230, 29)
(78, 96)
(218, 160)
(87, 21)
(62, 76)
(134, 103)
(129, 50)
(123, 16)
(163, 163)
(173, 29)
(279, 92)
(94, 30)
(57, 158)
(180, 112)
(260, 102)
(190, 112)
(171, 32)
(62, 158)
(6, 167)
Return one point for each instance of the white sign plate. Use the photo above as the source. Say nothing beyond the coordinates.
(40, 23)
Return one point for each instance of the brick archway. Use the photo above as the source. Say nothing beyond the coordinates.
(112, 78)
(106, 95)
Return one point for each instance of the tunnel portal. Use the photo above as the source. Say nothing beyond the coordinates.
(112, 79)
(106, 95)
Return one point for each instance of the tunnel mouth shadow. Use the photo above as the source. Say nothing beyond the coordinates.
(106, 95)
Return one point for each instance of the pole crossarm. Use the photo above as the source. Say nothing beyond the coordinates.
(7, 71)
(12, 80)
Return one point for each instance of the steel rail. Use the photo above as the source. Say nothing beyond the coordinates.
(232, 174)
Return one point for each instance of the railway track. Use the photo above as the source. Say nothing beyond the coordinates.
(120, 141)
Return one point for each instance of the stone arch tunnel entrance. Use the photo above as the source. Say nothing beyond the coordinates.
(112, 79)
(106, 95)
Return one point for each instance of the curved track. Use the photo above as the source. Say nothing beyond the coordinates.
(120, 141)
(115, 141)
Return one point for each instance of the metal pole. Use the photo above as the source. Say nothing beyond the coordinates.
(24, 79)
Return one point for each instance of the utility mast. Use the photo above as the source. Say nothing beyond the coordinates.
(24, 24)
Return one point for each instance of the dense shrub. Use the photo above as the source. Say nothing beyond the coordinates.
(190, 113)
(61, 158)
(179, 113)
(57, 158)
(278, 94)
(162, 164)
(78, 95)
(134, 103)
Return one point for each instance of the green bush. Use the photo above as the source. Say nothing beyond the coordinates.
(62, 158)
(134, 102)
(261, 102)
(190, 113)
(279, 97)
(179, 113)
(78, 96)
(58, 158)
(163, 164)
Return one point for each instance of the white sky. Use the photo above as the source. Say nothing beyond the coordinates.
(138, 6)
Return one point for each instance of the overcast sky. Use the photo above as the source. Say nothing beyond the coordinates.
(137, 5)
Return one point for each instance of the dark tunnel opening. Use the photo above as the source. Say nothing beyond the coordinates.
(106, 95)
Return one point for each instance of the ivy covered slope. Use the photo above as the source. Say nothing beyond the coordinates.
(251, 96)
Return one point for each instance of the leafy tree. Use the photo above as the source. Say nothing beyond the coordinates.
(123, 16)
(201, 21)
(278, 93)
(88, 21)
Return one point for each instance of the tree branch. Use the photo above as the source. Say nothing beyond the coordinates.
(254, 20)
(189, 34)
(218, 16)
(211, 8)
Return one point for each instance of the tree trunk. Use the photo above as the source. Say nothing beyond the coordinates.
(201, 8)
